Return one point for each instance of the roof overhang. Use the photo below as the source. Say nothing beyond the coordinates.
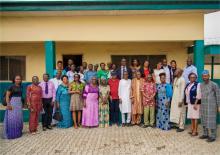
(70, 5)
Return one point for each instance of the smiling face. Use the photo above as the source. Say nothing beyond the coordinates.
(65, 80)
(163, 79)
(189, 62)
(146, 64)
(94, 80)
(164, 62)
(138, 75)
(159, 65)
(45, 77)
(123, 62)
(76, 77)
(35, 80)
(192, 78)
(125, 75)
(17, 80)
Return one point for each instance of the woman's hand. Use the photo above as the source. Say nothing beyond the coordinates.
(9, 107)
(84, 103)
(167, 104)
(195, 107)
(180, 104)
(57, 105)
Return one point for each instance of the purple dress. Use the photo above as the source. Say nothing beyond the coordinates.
(13, 120)
(90, 112)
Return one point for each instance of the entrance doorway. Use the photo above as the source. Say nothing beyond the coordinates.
(77, 59)
(153, 59)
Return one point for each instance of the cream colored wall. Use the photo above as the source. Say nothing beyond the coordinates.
(92, 52)
(34, 52)
(157, 27)
(101, 52)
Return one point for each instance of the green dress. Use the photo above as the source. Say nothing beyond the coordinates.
(102, 74)
(103, 107)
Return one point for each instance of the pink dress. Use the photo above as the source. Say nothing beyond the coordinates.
(191, 112)
(90, 112)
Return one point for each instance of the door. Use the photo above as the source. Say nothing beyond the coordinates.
(77, 59)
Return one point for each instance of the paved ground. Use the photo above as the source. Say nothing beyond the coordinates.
(112, 140)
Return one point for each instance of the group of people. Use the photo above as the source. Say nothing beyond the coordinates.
(88, 97)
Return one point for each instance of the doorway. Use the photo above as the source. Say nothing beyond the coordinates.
(153, 59)
(77, 59)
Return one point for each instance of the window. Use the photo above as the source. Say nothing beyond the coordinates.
(11, 66)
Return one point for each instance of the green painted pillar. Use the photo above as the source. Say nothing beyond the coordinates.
(212, 67)
(199, 57)
(50, 57)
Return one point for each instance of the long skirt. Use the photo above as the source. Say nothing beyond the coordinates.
(103, 114)
(90, 112)
(13, 120)
(162, 116)
(65, 111)
(34, 115)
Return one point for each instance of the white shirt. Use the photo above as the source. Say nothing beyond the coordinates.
(70, 75)
(167, 71)
(81, 77)
(124, 90)
(157, 73)
(56, 82)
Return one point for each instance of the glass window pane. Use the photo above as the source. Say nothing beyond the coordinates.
(3, 68)
(17, 66)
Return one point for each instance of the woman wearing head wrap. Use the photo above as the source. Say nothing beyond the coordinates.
(104, 91)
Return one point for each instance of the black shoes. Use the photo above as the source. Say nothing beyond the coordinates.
(179, 130)
(210, 139)
(203, 137)
(44, 128)
(49, 127)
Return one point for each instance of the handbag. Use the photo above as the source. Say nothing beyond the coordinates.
(58, 115)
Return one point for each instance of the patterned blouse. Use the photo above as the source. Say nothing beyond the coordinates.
(76, 86)
(149, 89)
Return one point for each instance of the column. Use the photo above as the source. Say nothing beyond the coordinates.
(50, 57)
(199, 57)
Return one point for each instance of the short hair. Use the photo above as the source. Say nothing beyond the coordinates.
(63, 76)
(102, 63)
(58, 62)
(162, 74)
(173, 61)
(192, 74)
(48, 75)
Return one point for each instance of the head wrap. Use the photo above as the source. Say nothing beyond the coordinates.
(205, 72)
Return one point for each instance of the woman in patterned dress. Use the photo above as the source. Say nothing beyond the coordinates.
(164, 94)
(63, 103)
(90, 110)
(34, 102)
(104, 91)
(76, 104)
(13, 120)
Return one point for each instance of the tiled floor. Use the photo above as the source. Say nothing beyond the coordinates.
(112, 140)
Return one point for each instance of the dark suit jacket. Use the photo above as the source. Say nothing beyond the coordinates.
(118, 71)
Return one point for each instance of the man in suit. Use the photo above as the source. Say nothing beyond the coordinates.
(123, 68)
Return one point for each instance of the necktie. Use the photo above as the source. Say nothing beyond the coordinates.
(46, 88)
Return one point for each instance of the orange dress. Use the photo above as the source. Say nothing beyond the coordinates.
(34, 97)
(137, 106)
